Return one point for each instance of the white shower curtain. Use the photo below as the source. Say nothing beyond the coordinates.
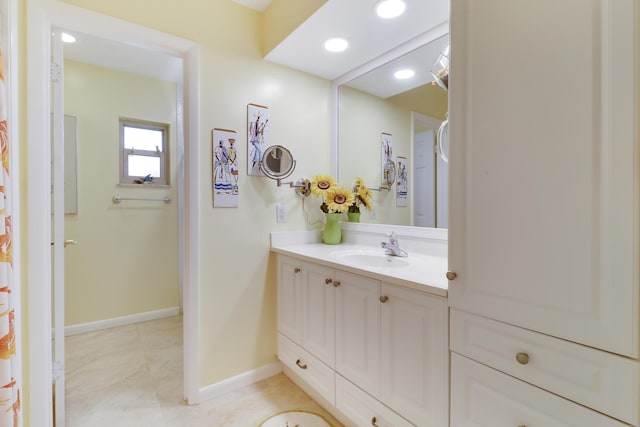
(9, 391)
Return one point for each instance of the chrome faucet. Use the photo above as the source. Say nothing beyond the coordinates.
(392, 247)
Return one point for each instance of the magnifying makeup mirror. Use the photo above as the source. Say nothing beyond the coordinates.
(278, 163)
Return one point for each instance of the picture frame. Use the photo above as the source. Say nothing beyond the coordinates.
(224, 168)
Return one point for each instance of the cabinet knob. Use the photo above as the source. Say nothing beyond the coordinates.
(374, 422)
(523, 359)
(301, 365)
(296, 270)
(327, 281)
(336, 284)
(384, 299)
(451, 275)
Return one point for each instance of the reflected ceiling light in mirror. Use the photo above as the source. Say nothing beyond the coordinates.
(404, 74)
(336, 44)
(388, 9)
(68, 38)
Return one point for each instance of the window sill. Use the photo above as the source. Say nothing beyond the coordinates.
(144, 185)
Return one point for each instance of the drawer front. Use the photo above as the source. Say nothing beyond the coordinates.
(310, 369)
(362, 409)
(603, 381)
(484, 397)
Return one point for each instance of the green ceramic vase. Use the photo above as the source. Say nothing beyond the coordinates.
(353, 216)
(332, 234)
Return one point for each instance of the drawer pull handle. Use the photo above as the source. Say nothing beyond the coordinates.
(336, 284)
(451, 275)
(327, 281)
(384, 299)
(300, 365)
(374, 422)
(296, 270)
(523, 359)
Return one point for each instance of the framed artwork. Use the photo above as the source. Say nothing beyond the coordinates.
(386, 155)
(224, 164)
(257, 137)
(402, 180)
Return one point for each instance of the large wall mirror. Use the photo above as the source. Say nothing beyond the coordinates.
(411, 111)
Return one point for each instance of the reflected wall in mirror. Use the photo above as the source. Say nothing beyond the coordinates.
(412, 111)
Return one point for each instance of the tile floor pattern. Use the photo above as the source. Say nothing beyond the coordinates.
(131, 376)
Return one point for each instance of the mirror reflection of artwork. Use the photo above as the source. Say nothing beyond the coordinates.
(257, 137)
(225, 168)
(402, 183)
(386, 152)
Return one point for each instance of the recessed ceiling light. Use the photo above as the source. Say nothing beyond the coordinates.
(404, 74)
(388, 9)
(336, 45)
(68, 38)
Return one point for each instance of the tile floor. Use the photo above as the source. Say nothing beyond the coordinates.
(131, 376)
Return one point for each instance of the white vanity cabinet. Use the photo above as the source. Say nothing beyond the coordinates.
(390, 344)
(544, 204)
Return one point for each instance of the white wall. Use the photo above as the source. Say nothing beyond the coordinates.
(126, 260)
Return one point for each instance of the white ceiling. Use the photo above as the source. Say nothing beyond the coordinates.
(123, 57)
(355, 20)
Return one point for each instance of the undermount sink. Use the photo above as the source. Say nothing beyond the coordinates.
(370, 259)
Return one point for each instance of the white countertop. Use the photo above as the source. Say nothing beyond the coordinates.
(417, 271)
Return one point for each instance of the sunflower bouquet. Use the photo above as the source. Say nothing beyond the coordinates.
(335, 199)
(362, 196)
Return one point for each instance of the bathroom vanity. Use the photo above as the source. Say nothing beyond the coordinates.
(365, 333)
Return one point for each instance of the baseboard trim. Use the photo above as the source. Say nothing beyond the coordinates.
(120, 321)
(244, 379)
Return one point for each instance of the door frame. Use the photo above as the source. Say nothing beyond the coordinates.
(42, 16)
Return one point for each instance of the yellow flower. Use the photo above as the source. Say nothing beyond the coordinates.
(339, 199)
(322, 184)
(363, 194)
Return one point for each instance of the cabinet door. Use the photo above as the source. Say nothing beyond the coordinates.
(319, 312)
(484, 397)
(290, 298)
(544, 199)
(358, 330)
(415, 356)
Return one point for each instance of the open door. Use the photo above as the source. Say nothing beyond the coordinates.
(57, 240)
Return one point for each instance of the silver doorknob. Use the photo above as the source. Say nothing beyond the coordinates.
(67, 243)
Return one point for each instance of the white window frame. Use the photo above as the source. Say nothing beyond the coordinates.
(163, 155)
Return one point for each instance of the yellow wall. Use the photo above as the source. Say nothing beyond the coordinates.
(363, 117)
(238, 281)
(126, 260)
(282, 17)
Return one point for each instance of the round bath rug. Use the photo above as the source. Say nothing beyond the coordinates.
(297, 418)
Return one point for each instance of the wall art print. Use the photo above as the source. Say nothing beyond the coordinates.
(225, 168)
(402, 182)
(386, 155)
(257, 137)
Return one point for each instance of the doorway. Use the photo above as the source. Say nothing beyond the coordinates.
(43, 17)
(430, 176)
(121, 267)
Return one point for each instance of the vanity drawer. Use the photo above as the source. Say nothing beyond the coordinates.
(603, 381)
(315, 373)
(484, 397)
(362, 409)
